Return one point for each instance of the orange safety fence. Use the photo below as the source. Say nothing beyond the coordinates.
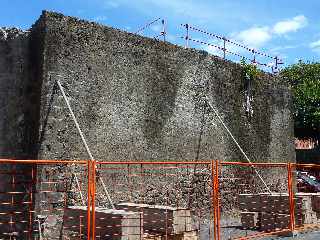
(161, 200)
(50, 199)
(35, 195)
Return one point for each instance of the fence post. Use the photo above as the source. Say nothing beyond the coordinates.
(93, 194)
(291, 198)
(187, 35)
(163, 33)
(254, 57)
(224, 47)
(89, 200)
(215, 199)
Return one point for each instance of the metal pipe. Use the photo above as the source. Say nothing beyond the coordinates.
(224, 48)
(163, 30)
(291, 198)
(89, 200)
(217, 199)
(79, 188)
(236, 142)
(94, 201)
(187, 35)
(213, 179)
(147, 25)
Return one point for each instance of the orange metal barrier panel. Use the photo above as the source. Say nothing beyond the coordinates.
(48, 199)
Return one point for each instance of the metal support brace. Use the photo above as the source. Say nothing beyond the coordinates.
(83, 139)
(235, 141)
(78, 186)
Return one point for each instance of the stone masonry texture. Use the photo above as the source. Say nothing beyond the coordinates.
(140, 99)
(135, 99)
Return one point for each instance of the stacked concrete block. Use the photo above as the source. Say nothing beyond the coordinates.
(110, 223)
(163, 220)
(306, 209)
(267, 221)
(249, 203)
(192, 235)
(281, 221)
(315, 199)
(249, 220)
(272, 212)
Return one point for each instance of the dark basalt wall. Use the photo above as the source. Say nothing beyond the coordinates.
(137, 98)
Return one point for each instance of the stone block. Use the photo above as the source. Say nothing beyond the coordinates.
(191, 235)
(279, 203)
(158, 219)
(303, 201)
(249, 220)
(282, 221)
(110, 223)
(249, 203)
(307, 217)
(267, 221)
(316, 203)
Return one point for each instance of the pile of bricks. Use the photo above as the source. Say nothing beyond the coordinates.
(131, 221)
(110, 223)
(271, 212)
(164, 222)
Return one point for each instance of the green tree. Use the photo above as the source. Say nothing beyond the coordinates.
(304, 80)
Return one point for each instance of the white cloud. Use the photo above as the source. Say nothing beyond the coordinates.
(291, 25)
(193, 10)
(315, 46)
(254, 37)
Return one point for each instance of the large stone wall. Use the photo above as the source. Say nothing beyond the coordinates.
(137, 98)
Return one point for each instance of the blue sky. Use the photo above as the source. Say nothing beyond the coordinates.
(288, 28)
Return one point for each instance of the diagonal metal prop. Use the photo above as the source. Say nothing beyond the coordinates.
(236, 142)
(84, 141)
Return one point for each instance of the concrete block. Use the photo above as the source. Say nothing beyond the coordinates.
(282, 221)
(307, 217)
(303, 201)
(316, 203)
(110, 223)
(267, 221)
(249, 220)
(279, 203)
(159, 219)
(249, 203)
(191, 235)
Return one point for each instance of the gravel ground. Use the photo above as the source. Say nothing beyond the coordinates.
(231, 229)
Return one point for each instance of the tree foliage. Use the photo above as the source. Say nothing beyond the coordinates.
(251, 71)
(304, 79)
